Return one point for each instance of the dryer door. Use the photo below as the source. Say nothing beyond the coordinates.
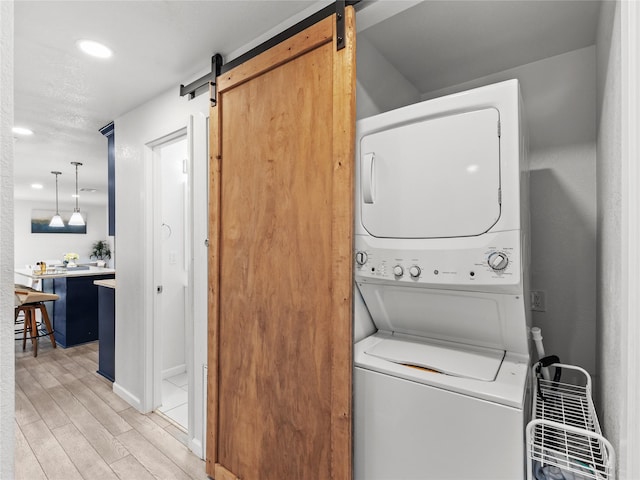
(434, 178)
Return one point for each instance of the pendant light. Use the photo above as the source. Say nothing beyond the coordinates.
(76, 219)
(56, 220)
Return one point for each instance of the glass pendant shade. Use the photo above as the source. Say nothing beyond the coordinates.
(76, 219)
(56, 220)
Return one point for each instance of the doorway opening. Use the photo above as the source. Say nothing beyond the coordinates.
(171, 243)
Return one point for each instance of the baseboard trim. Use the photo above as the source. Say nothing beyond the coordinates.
(127, 396)
(170, 372)
(195, 446)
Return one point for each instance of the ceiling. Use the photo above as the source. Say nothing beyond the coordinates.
(65, 96)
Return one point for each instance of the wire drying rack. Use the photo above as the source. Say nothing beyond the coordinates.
(564, 434)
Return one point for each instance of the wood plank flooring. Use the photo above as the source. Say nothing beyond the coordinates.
(70, 425)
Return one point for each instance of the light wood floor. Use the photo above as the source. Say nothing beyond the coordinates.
(70, 425)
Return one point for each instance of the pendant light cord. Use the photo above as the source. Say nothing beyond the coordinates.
(57, 212)
(77, 209)
(56, 174)
(77, 188)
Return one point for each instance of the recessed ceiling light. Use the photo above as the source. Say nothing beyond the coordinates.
(37, 186)
(22, 131)
(94, 49)
(73, 195)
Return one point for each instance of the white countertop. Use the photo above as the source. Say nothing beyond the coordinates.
(63, 273)
(107, 282)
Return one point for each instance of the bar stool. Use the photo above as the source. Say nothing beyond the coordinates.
(28, 301)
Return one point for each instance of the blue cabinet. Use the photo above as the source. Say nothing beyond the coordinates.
(75, 314)
(107, 331)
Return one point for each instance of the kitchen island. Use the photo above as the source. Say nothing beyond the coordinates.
(75, 314)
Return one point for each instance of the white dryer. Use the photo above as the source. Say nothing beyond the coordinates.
(441, 263)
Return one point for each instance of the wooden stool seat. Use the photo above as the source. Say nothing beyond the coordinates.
(27, 302)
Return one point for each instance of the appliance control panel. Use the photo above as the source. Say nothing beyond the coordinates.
(487, 260)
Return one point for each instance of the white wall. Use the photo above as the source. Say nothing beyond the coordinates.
(379, 86)
(611, 288)
(31, 247)
(7, 386)
(559, 105)
(173, 250)
(135, 131)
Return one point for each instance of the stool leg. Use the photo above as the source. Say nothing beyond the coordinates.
(15, 318)
(26, 325)
(47, 323)
(34, 331)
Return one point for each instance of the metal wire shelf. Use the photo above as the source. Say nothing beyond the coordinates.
(565, 433)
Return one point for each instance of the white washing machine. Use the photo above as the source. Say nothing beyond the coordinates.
(441, 389)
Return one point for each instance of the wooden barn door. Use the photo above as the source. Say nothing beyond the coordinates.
(280, 286)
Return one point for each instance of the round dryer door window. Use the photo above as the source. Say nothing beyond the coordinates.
(433, 178)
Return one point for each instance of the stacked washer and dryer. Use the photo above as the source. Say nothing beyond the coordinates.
(441, 252)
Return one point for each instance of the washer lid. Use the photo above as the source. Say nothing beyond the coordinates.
(446, 358)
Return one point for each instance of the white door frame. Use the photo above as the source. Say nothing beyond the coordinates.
(198, 146)
(196, 130)
(630, 100)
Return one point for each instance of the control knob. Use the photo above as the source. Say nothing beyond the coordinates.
(415, 271)
(361, 258)
(498, 260)
(398, 271)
